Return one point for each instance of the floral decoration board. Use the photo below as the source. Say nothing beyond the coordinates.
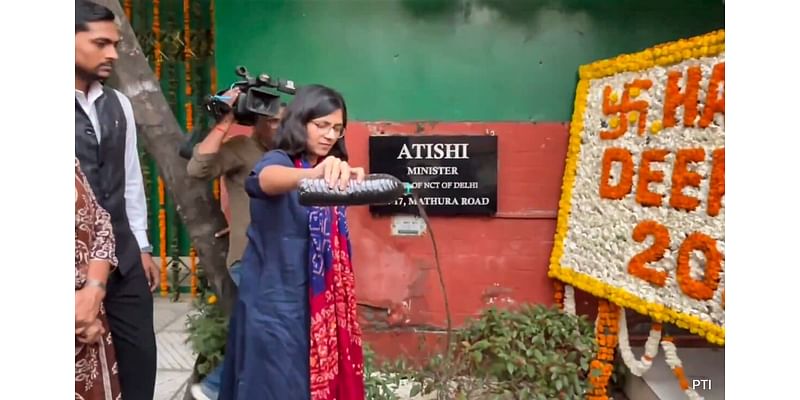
(642, 215)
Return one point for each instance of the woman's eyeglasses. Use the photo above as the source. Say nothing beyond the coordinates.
(326, 127)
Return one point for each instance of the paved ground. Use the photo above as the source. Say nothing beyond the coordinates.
(175, 358)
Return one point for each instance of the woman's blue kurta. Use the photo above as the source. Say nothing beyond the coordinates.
(267, 353)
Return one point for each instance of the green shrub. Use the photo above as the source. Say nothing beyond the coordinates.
(208, 330)
(534, 352)
(380, 383)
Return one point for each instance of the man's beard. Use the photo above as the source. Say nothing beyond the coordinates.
(88, 76)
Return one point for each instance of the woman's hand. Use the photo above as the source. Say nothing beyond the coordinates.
(87, 305)
(336, 171)
(90, 334)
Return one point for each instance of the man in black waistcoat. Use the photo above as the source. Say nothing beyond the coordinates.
(105, 145)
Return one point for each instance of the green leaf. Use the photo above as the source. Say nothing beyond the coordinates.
(481, 345)
(538, 356)
(572, 356)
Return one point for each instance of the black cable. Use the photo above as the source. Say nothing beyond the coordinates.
(442, 286)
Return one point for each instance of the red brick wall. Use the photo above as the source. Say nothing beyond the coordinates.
(485, 261)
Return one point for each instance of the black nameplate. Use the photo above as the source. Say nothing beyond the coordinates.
(452, 175)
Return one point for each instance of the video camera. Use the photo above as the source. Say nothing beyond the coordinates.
(256, 98)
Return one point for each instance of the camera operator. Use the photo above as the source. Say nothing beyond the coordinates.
(231, 159)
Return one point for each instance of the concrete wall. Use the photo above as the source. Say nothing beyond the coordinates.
(447, 60)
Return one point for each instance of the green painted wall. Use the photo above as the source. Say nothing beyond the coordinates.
(453, 60)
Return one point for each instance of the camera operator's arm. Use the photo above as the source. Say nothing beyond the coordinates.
(206, 162)
(212, 142)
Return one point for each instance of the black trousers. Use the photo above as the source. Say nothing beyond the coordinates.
(129, 306)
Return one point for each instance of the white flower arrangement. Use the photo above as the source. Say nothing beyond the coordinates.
(569, 299)
(645, 156)
(637, 367)
(671, 355)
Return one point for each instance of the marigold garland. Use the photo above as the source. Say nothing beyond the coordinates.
(187, 62)
(564, 297)
(659, 312)
(162, 236)
(606, 330)
(709, 45)
(193, 270)
(670, 53)
(187, 44)
(128, 6)
(157, 38)
(671, 356)
(558, 294)
(162, 213)
(215, 187)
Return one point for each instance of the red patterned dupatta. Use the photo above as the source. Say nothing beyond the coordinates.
(337, 361)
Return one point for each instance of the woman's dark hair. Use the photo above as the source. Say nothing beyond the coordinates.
(310, 102)
(87, 11)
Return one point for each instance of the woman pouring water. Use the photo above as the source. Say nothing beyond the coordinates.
(294, 333)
